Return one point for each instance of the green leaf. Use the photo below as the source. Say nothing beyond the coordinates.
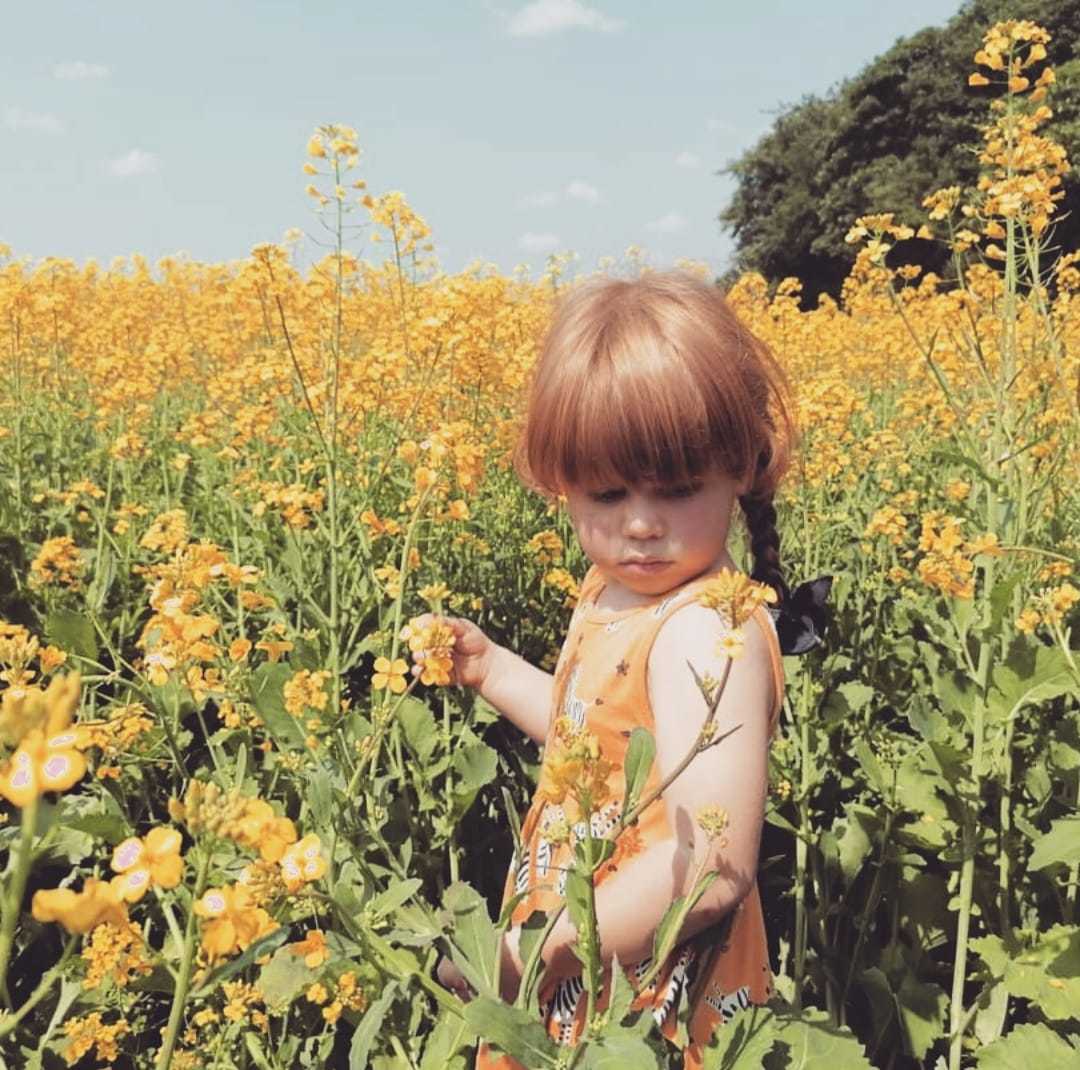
(921, 1009)
(268, 698)
(743, 1043)
(283, 977)
(369, 1026)
(388, 900)
(1027, 1047)
(443, 1049)
(809, 1042)
(513, 1031)
(72, 632)
(619, 1051)
(1061, 845)
(861, 829)
(1047, 971)
(622, 994)
(865, 757)
(640, 752)
(263, 946)
(848, 699)
(1029, 677)
(474, 938)
(475, 764)
(418, 723)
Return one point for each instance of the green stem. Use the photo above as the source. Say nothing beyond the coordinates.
(187, 962)
(14, 897)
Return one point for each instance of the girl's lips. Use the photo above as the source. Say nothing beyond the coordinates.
(645, 566)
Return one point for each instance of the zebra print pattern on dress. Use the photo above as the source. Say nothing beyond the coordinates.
(564, 1004)
(521, 882)
(574, 707)
(543, 858)
(729, 1004)
(675, 986)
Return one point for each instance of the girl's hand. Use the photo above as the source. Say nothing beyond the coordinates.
(473, 653)
(450, 977)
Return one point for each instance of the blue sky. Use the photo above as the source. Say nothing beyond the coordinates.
(513, 128)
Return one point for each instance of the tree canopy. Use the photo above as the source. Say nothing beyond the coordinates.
(904, 126)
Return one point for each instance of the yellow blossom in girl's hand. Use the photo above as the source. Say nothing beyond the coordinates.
(434, 643)
(98, 903)
(142, 863)
(303, 863)
(390, 675)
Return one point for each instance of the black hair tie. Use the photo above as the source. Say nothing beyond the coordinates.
(803, 616)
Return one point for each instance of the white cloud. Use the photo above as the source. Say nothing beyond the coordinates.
(538, 243)
(80, 70)
(577, 190)
(687, 159)
(666, 224)
(582, 191)
(135, 162)
(543, 17)
(15, 119)
(538, 200)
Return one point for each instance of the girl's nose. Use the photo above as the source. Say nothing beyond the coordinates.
(642, 522)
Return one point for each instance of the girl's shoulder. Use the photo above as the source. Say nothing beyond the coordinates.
(691, 631)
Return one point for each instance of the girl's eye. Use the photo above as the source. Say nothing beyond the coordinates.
(607, 496)
(687, 491)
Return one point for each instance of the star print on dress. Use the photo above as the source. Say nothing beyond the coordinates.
(622, 668)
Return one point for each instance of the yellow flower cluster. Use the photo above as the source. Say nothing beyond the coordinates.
(47, 757)
(231, 920)
(948, 564)
(91, 1031)
(116, 952)
(167, 533)
(547, 546)
(735, 596)
(889, 523)
(575, 769)
(98, 903)
(250, 822)
(18, 648)
(177, 636)
(1049, 607)
(434, 642)
(304, 690)
(58, 562)
(714, 822)
(561, 580)
(153, 861)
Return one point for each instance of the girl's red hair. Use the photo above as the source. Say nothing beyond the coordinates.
(653, 378)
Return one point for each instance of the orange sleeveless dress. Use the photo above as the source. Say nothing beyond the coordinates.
(600, 683)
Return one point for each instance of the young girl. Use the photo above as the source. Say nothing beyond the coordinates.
(653, 410)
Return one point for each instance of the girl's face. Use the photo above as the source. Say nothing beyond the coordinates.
(683, 528)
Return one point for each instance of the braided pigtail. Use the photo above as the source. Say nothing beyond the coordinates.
(764, 543)
(800, 615)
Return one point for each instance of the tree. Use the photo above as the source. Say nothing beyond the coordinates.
(906, 125)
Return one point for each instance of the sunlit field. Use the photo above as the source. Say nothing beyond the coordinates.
(239, 832)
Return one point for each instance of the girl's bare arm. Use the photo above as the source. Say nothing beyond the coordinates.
(519, 691)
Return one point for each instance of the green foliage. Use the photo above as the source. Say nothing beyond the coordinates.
(881, 141)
